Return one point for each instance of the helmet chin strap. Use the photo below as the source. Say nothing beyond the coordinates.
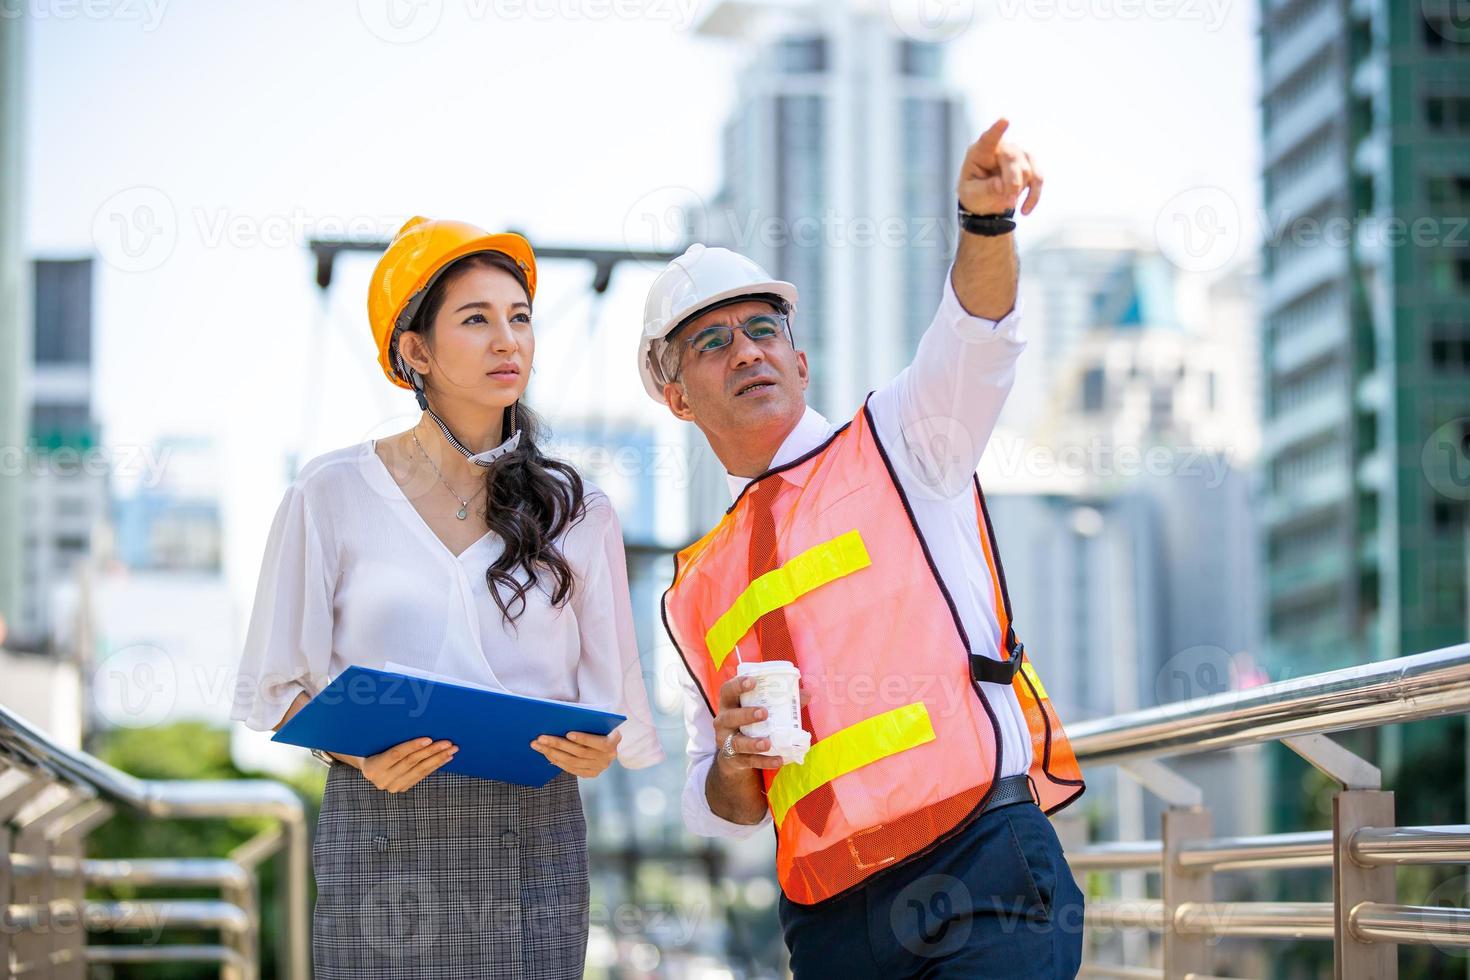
(479, 459)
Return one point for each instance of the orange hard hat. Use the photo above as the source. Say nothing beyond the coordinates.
(422, 249)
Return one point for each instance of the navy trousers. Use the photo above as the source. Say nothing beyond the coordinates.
(995, 900)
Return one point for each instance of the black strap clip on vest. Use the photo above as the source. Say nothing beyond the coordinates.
(988, 670)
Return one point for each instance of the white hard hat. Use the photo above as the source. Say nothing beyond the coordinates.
(696, 280)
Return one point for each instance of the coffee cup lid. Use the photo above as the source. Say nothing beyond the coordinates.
(767, 667)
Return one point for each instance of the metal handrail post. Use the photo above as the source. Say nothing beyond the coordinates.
(7, 894)
(69, 838)
(1354, 883)
(34, 823)
(296, 936)
(1184, 952)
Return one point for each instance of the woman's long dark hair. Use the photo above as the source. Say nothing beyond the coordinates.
(530, 498)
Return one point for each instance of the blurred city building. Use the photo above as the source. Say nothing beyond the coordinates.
(45, 689)
(1120, 491)
(1144, 429)
(1096, 273)
(58, 477)
(838, 175)
(67, 472)
(164, 628)
(168, 517)
(15, 333)
(1366, 343)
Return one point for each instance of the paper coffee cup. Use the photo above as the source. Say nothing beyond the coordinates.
(778, 690)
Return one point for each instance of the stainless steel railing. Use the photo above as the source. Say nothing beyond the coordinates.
(1362, 917)
(51, 797)
(1426, 685)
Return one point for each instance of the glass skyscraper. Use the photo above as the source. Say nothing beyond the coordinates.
(1366, 351)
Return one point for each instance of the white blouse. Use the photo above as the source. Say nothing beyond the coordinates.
(353, 575)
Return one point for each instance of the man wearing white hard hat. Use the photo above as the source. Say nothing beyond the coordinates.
(909, 780)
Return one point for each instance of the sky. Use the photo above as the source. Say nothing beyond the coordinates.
(194, 145)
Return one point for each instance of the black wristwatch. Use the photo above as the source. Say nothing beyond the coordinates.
(988, 225)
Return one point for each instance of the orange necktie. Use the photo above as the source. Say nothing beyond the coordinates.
(772, 634)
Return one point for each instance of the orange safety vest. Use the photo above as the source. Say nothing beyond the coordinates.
(901, 731)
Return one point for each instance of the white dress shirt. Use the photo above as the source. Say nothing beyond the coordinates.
(934, 419)
(352, 574)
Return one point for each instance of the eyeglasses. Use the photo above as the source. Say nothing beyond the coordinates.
(763, 328)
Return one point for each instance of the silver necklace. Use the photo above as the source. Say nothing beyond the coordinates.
(464, 505)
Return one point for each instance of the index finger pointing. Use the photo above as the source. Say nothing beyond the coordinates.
(990, 139)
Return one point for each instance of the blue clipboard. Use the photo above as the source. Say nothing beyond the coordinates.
(365, 711)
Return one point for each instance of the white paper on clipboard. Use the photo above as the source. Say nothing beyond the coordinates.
(430, 675)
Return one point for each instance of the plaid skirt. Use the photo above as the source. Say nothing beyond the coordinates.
(458, 877)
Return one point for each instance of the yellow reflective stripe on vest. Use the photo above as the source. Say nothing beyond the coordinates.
(814, 567)
(1030, 673)
(852, 748)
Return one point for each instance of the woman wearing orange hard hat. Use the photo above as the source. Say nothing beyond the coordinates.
(455, 548)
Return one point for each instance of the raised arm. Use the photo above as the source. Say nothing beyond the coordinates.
(992, 177)
(943, 407)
